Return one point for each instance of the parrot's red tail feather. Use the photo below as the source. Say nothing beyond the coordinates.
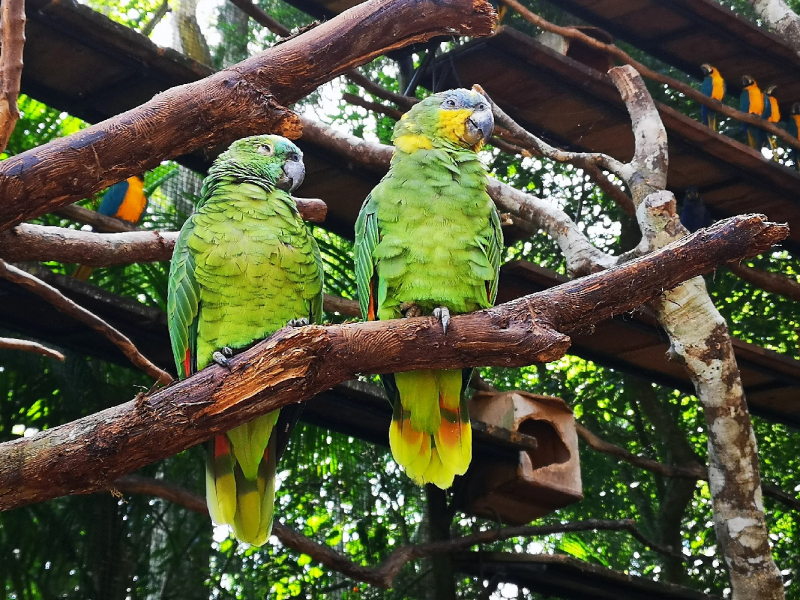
(187, 363)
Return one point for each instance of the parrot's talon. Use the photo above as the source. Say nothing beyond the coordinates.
(298, 322)
(442, 314)
(227, 351)
(221, 359)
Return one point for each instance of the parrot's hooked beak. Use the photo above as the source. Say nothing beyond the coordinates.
(479, 126)
(294, 171)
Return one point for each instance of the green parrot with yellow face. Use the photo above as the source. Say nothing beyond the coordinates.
(244, 266)
(428, 242)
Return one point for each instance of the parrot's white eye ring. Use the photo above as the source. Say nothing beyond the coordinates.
(450, 103)
(265, 149)
(480, 106)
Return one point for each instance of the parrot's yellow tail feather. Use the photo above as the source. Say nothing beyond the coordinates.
(430, 434)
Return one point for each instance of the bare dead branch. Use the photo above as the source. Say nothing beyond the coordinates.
(261, 17)
(690, 92)
(244, 99)
(159, 14)
(343, 306)
(380, 92)
(539, 146)
(99, 222)
(297, 363)
(775, 283)
(27, 346)
(12, 21)
(67, 306)
(383, 576)
(697, 472)
(41, 243)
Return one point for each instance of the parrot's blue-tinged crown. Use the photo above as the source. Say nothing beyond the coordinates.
(455, 118)
(270, 160)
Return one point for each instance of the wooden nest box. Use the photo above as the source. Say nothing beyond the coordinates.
(544, 479)
(591, 57)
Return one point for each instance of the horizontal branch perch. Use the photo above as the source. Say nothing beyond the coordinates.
(383, 575)
(43, 243)
(699, 472)
(297, 363)
(27, 346)
(241, 100)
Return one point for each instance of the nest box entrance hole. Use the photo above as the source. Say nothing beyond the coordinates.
(550, 448)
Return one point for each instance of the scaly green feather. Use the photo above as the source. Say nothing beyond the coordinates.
(244, 266)
(429, 235)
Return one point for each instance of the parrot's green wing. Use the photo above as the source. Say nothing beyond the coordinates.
(316, 303)
(367, 238)
(493, 246)
(183, 303)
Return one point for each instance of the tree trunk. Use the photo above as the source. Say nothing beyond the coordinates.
(781, 19)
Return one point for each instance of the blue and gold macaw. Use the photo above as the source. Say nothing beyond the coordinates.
(751, 101)
(714, 87)
(793, 127)
(124, 200)
(772, 113)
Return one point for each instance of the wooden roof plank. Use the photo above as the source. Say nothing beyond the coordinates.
(735, 45)
(699, 156)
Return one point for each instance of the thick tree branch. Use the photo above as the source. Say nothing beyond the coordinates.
(687, 90)
(244, 99)
(700, 339)
(383, 576)
(67, 306)
(26, 346)
(12, 21)
(295, 364)
(41, 243)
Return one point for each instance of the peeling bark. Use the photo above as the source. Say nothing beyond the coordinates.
(295, 364)
(781, 19)
(699, 338)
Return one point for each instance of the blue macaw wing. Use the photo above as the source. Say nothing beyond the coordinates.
(744, 101)
(113, 198)
(767, 111)
(708, 86)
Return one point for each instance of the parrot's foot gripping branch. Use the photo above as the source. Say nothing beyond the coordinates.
(221, 357)
(442, 314)
(297, 322)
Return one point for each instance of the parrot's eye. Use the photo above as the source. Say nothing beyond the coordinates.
(481, 106)
(294, 156)
(450, 103)
(265, 149)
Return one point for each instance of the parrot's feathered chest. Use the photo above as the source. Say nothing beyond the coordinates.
(244, 237)
(435, 223)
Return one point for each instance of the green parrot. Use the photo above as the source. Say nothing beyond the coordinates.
(428, 241)
(244, 266)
